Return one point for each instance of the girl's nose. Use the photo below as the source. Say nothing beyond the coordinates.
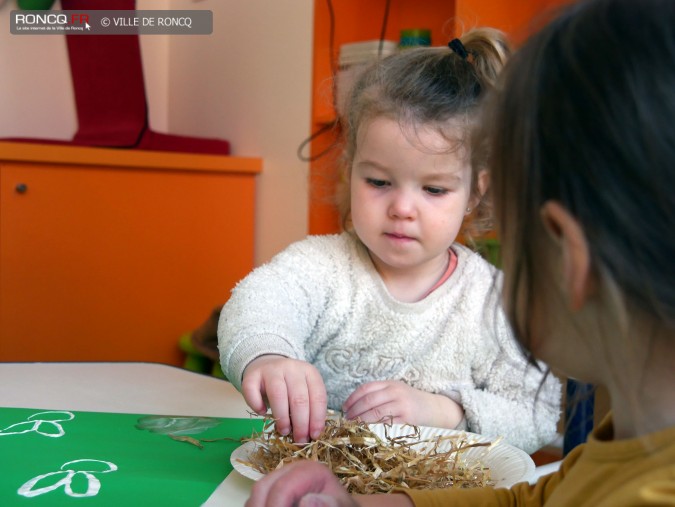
(402, 205)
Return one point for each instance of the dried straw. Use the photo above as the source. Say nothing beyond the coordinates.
(366, 464)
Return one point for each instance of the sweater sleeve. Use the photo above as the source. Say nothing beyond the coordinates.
(274, 309)
(519, 495)
(509, 396)
(522, 494)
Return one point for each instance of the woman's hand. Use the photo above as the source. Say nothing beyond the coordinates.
(396, 401)
(294, 390)
(310, 484)
(305, 483)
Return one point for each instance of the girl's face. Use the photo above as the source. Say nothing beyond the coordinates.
(409, 195)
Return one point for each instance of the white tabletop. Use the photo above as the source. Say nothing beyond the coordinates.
(147, 388)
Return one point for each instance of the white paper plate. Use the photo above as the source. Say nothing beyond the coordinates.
(508, 465)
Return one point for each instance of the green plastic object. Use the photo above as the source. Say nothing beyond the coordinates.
(217, 371)
(490, 249)
(194, 361)
(413, 37)
(35, 5)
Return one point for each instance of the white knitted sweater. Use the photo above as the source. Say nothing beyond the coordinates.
(321, 300)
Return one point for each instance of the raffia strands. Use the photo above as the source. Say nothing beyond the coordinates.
(366, 463)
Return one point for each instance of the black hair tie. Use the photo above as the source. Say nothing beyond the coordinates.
(457, 46)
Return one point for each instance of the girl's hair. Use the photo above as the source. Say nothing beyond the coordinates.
(430, 87)
(586, 118)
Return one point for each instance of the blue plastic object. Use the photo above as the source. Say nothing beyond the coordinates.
(578, 414)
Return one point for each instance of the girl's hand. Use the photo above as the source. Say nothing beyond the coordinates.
(311, 484)
(294, 390)
(396, 401)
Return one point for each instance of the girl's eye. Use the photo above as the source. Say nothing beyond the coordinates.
(435, 190)
(376, 183)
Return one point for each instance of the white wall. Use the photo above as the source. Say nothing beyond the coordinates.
(156, 62)
(249, 82)
(36, 97)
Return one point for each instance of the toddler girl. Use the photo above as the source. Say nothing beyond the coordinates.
(393, 319)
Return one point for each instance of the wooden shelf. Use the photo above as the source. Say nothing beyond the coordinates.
(125, 158)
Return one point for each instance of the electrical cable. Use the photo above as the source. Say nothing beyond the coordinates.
(333, 68)
(383, 31)
(333, 71)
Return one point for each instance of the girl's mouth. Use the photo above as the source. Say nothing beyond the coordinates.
(398, 237)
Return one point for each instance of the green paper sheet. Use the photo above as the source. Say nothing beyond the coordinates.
(53, 458)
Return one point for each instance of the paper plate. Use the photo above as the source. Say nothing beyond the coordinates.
(508, 465)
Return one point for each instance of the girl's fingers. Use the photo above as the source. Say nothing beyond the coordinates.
(377, 408)
(252, 389)
(359, 392)
(307, 402)
(295, 393)
(364, 399)
(299, 406)
(277, 395)
(318, 404)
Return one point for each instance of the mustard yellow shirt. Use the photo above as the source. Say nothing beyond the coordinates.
(601, 473)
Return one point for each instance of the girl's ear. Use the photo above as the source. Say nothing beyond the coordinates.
(568, 234)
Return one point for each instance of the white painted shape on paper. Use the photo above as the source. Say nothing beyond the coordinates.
(65, 478)
(46, 427)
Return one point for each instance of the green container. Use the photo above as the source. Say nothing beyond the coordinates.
(35, 5)
(490, 249)
(414, 37)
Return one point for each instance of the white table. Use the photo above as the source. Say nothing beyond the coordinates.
(146, 388)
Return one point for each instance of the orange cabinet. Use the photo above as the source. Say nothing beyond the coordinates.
(110, 255)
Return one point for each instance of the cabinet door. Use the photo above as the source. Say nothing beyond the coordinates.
(115, 264)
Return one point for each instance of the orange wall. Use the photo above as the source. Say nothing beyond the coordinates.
(515, 18)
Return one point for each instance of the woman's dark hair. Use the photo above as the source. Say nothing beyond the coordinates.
(586, 117)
